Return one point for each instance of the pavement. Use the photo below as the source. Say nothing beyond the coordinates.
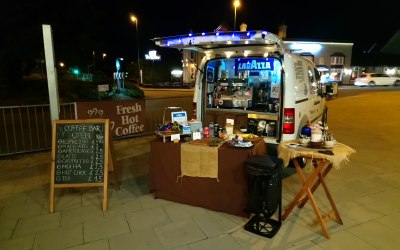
(366, 191)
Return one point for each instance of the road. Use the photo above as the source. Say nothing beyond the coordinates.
(368, 120)
(345, 92)
(163, 93)
(350, 90)
(354, 90)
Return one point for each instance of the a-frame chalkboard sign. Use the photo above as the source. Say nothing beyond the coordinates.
(80, 155)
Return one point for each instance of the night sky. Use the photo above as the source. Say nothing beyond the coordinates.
(104, 26)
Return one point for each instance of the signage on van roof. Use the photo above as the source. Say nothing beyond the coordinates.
(220, 39)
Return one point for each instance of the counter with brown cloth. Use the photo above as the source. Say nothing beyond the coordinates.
(198, 159)
(229, 195)
(259, 147)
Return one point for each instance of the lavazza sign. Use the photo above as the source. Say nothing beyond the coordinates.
(258, 64)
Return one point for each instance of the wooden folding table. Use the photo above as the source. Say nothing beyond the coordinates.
(323, 160)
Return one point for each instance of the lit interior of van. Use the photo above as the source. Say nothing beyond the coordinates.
(239, 86)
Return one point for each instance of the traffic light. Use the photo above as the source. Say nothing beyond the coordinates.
(75, 71)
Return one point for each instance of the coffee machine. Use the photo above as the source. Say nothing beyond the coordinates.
(261, 96)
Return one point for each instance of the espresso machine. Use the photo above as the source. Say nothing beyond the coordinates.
(261, 96)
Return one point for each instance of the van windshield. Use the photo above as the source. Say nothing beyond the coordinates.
(251, 83)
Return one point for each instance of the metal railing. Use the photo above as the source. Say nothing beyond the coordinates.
(27, 128)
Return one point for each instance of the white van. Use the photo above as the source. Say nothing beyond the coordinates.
(249, 78)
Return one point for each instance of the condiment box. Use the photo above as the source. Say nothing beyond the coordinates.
(195, 126)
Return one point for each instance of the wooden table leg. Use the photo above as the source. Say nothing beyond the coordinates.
(321, 180)
(306, 189)
(316, 184)
(299, 194)
(329, 196)
(306, 184)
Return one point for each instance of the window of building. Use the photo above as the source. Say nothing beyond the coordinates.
(337, 58)
(336, 74)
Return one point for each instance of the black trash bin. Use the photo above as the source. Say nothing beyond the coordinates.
(265, 194)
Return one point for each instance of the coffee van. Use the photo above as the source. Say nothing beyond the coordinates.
(249, 78)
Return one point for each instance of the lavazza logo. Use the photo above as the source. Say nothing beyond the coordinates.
(255, 65)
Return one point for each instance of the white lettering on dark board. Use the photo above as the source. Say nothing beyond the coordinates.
(79, 153)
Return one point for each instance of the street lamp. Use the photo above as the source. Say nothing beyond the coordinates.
(135, 20)
(236, 4)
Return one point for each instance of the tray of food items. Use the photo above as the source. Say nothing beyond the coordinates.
(239, 142)
(169, 128)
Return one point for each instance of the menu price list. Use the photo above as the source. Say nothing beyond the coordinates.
(79, 153)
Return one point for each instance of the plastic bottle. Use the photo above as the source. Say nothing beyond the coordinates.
(210, 100)
(211, 128)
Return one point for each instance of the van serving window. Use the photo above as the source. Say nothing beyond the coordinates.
(251, 83)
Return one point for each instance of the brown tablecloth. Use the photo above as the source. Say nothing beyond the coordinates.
(229, 195)
(199, 160)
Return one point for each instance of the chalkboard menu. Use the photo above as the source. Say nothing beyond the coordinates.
(80, 152)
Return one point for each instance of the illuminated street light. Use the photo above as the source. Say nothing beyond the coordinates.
(236, 4)
(135, 20)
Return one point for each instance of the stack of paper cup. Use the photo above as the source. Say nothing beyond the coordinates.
(316, 135)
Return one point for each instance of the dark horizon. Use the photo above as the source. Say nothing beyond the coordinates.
(81, 27)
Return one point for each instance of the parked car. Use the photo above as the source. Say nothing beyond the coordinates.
(376, 79)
